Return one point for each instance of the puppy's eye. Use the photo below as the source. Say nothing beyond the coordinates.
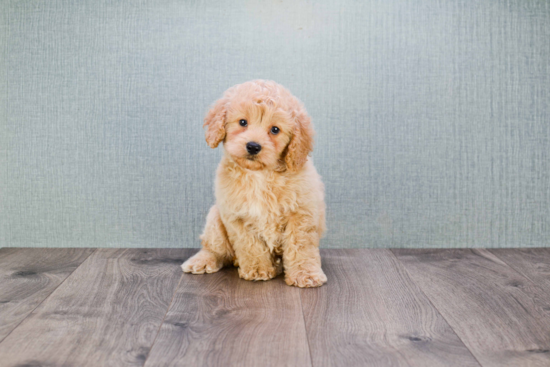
(275, 130)
(243, 122)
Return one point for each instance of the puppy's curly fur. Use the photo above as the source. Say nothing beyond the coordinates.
(270, 209)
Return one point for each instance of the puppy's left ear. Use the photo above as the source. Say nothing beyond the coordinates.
(301, 142)
(214, 123)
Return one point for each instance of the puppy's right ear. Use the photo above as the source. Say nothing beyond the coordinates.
(214, 123)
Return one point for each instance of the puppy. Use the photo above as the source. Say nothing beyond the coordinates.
(270, 210)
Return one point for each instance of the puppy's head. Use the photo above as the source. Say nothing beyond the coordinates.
(262, 126)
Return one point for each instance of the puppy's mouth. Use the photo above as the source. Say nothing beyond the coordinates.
(250, 162)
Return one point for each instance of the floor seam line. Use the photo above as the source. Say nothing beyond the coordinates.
(513, 268)
(437, 309)
(163, 318)
(49, 295)
(305, 327)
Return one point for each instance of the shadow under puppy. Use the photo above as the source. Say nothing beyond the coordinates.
(270, 209)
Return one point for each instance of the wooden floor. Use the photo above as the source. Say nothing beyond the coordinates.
(134, 307)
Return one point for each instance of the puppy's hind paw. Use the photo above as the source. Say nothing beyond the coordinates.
(307, 279)
(203, 262)
(258, 274)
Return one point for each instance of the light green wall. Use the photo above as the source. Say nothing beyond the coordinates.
(432, 116)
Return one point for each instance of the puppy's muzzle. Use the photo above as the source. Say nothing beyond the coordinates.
(253, 148)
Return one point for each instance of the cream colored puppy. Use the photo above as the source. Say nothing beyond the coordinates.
(269, 197)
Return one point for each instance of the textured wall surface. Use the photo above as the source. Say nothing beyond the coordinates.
(432, 116)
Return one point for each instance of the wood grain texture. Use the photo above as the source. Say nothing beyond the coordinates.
(501, 316)
(533, 263)
(424, 308)
(28, 276)
(107, 313)
(221, 320)
(370, 313)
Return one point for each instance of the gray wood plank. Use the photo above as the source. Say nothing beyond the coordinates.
(221, 320)
(533, 263)
(370, 313)
(28, 276)
(501, 316)
(107, 313)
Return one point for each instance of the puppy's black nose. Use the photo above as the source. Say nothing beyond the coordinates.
(253, 148)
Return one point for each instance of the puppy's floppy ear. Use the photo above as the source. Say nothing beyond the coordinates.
(301, 142)
(215, 121)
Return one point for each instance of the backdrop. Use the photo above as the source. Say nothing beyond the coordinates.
(432, 116)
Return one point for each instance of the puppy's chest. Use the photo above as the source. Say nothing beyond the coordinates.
(258, 201)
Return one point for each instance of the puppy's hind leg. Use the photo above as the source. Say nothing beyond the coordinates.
(216, 249)
(255, 260)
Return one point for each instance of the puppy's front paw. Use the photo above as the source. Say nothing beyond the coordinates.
(249, 273)
(306, 279)
(203, 262)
